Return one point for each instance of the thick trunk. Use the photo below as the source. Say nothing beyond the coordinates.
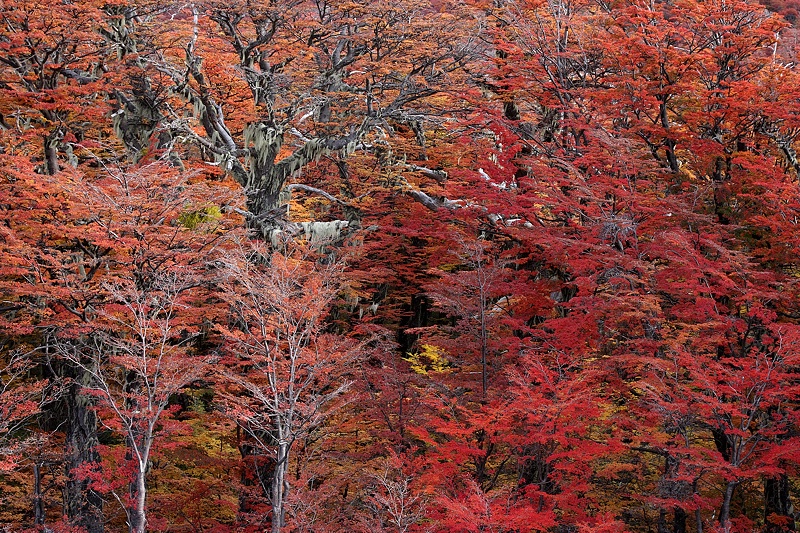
(136, 119)
(721, 443)
(51, 153)
(679, 523)
(265, 206)
(725, 510)
(83, 505)
(263, 184)
(777, 503)
(265, 178)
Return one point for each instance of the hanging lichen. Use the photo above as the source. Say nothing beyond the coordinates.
(319, 233)
(263, 142)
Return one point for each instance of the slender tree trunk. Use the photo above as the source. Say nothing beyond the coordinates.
(698, 516)
(38, 502)
(484, 304)
(139, 445)
(484, 350)
(137, 515)
(279, 488)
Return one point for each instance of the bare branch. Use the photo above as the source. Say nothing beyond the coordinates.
(317, 191)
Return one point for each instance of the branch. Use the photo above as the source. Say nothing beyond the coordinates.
(318, 146)
(320, 192)
(432, 203)
(438, 175)
(81, 77)
(650, 449)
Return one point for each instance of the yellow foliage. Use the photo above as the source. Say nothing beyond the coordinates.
(430, 358)
(192, 219)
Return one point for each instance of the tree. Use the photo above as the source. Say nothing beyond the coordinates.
(48, 282)
(138, 354)
(52, 63)
(394, 502)
(108, 284)
(312, 80)
(141, 345)
(286, 374)
(474, 295)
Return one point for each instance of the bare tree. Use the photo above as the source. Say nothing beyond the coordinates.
(285, 373)
(142, 358)
(135, 345)
(394, 503)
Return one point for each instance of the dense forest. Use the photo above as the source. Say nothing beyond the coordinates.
(399, 266)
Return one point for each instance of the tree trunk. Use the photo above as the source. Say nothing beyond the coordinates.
(679, 522)
(138, 451)
(137, 118)
(484, 346)
(721, 443)
(725, 511)
(279, 488)
(669, 143)
(83, 505)
(51, 152)
(137, 517)
(661, 525)
(698, 516)
(777, 502)
(38, 502)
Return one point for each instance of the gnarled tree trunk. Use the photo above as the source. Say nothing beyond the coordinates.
(82, 504)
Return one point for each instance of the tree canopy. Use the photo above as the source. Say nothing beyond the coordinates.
(409, 266)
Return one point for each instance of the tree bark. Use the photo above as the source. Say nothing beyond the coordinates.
(279, 488)
(137, 518)
(38, 503)
(669, 143)
(679, 522)
(661, 525)
(83, 505)
(777, 502)
(51, 152)
(725, 511)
